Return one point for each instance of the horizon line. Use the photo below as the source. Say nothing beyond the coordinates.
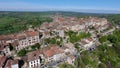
(98, 11)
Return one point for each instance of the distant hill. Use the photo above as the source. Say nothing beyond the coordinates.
(11, 22)
(66, 13)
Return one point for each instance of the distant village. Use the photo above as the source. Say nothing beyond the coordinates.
(43, 54)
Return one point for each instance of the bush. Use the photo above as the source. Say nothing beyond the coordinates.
(103, 39)
(36, 46)
(102, 65)
(74, 37)
(65, 65)
(22, 53)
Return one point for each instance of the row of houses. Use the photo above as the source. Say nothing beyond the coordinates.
(46, 55)
(6, 62)
(87, 44)
(49, 30)
(18, 41)
(55, 53)
(74, 23)
(62, 24)
(52, 53)
(36, 59)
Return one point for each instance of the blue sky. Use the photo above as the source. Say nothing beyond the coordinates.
(68, 5)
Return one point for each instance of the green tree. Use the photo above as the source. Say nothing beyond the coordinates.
(103, 39)
(22, 53)
(65, 65)
(102, 65)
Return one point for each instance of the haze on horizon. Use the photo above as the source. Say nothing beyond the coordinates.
(95, 6)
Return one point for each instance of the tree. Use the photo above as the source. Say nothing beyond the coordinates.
(22, 52)
(74, 37)
(52, 41)
(36, 46)
(15, 22)
(77, 47)
(103, 39)
(102, 65)
(65, 65)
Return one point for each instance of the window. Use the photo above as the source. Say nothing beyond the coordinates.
(37, 60)
(31, 65)
(34, 64)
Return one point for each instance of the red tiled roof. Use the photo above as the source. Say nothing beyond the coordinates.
(21, 36)
(34, 55)
(31, 33)
(15, 61)
(1, 37)
(27, 34)
(49, 53)
(1, 47)
(8, 64)
(86, 41)
(7, 37)
(83, 42)
(2, 60)
(52, 51)
(46, 32)
(90, 39)
(15, 43)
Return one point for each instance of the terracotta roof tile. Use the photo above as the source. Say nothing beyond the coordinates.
(52, 51)
(34, 55)
(31, 33)
(8, 64)
(2, 60)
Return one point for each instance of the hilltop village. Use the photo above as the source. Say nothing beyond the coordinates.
(51, 44)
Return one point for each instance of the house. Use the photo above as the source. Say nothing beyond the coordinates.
(61, 33)
(22, 40)
(45, 25)
(7, 38)
(110, 31)
(6, 49)
(26, 39)
(2, 61)
(45, 55)
(8, 64)
(70, 48)
(87, 43)
(14, 64)
(54, 53)
(77, 27)
(24, 63)
(35, 58)
(5, 43)
(46, 34)
(71, 59)
(101, 28)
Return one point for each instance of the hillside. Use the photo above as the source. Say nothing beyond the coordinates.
(11, 22)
